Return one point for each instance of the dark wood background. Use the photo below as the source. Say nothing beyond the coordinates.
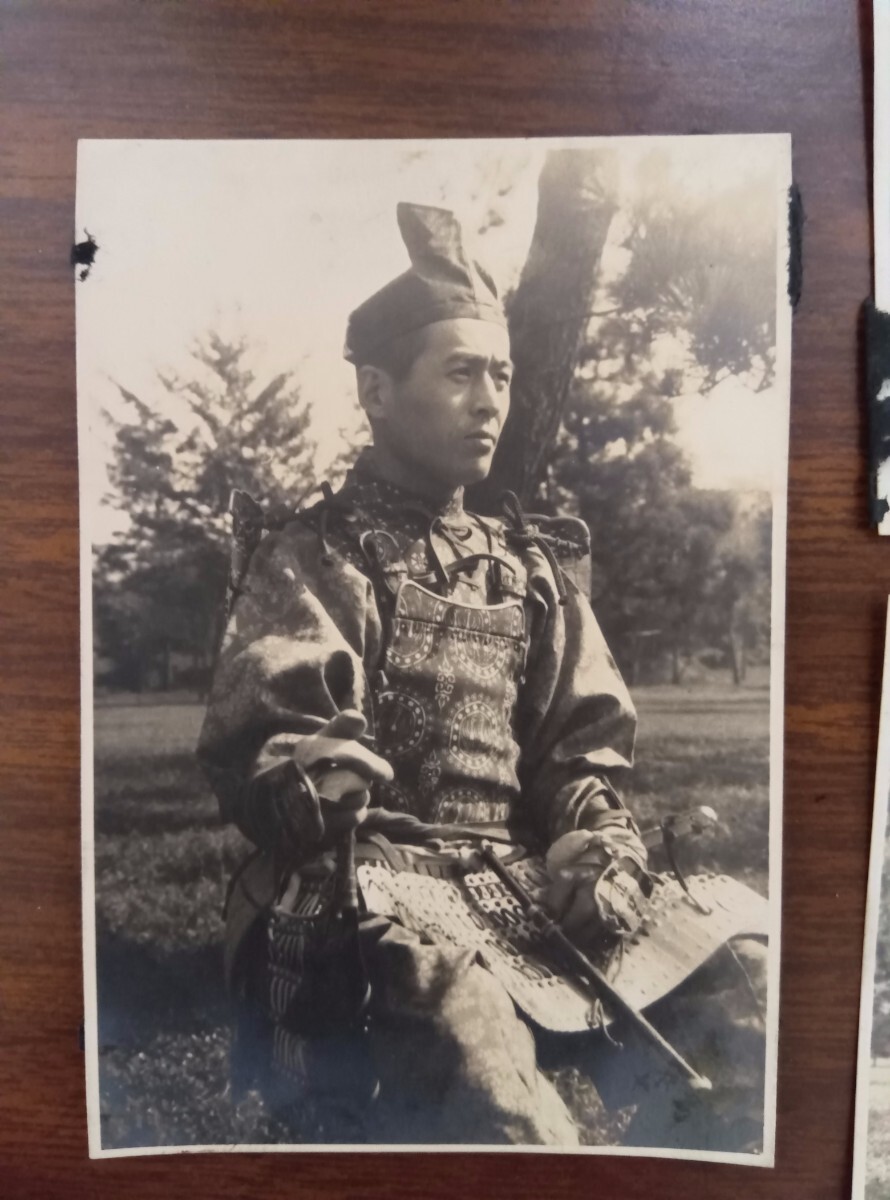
(167, 68)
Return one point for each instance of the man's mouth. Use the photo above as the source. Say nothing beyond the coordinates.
(481, 439)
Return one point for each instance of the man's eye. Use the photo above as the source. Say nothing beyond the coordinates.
(460, 373)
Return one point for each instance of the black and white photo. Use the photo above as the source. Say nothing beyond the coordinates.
(433, 501)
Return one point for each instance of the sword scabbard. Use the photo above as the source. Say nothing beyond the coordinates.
(590, 976)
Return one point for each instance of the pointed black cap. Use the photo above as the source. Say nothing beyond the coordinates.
(442, 283)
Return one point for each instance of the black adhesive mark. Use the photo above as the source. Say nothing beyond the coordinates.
(83, 254)
(796, 219)
(877, 383)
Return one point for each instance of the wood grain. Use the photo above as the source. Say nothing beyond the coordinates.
(393, 68)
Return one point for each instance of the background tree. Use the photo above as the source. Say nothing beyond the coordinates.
(690, 304)
(549, 312)
(161, 581)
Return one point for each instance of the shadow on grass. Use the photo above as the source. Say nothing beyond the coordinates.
(140, 993)
(164, 1036)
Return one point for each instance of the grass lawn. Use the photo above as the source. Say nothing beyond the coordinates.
(162, 862)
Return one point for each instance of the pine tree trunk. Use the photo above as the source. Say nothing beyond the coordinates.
(549, 314)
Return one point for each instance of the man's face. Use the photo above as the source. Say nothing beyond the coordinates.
(444, 419)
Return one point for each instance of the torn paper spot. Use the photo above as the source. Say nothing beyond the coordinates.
(877, 338)
(83, 255)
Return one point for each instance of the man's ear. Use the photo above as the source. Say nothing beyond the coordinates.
(374, 391)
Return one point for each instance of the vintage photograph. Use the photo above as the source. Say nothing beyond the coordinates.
(871, 1143)
(433, 508)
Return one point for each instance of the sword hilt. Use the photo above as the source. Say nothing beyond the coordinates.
(347, 880)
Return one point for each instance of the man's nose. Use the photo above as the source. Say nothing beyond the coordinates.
(486, 397)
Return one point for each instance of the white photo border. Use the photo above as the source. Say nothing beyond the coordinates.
(766, 1159)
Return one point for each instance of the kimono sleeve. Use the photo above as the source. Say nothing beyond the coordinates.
(577, 720)
(292, 657)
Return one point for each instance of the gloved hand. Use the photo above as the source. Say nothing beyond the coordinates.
(599, 880)
(341, 769)
(281, 814)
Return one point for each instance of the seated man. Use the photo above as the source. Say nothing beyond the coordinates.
(391, 656)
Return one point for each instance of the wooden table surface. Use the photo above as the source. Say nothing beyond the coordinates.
(387, 68)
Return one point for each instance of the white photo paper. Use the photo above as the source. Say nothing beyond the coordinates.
(433, 503)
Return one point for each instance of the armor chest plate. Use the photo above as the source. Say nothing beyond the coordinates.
(445, 708)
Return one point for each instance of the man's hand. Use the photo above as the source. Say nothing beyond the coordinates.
(280, 814)
(582, 863)
(342, 770)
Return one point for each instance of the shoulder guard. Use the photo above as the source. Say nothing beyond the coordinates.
(250, 521)
(564, 542)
